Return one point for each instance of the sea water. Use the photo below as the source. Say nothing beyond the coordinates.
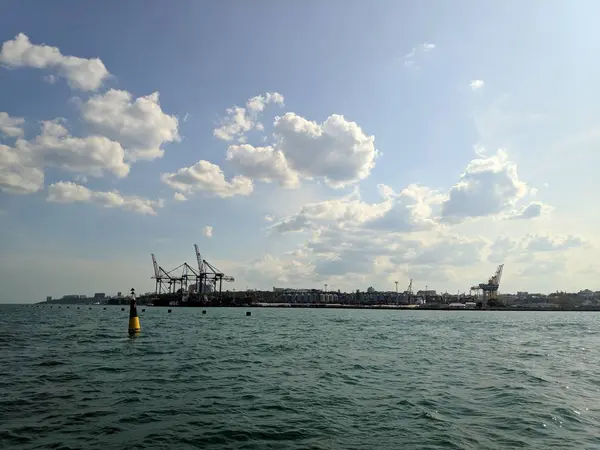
(72, 378)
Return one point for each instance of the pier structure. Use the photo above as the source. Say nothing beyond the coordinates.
(185, 283)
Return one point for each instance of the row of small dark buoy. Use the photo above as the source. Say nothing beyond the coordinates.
(248, 313)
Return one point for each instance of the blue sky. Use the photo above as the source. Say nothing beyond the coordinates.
(370, 154)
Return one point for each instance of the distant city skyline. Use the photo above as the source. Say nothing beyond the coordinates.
(332, 143)
(582, 292)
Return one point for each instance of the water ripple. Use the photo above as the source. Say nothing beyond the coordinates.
(298, 379)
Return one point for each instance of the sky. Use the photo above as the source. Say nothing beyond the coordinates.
(299, 144)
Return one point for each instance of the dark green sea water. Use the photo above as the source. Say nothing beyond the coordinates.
(298, 379)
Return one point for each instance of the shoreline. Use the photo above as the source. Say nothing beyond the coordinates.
(337, 306)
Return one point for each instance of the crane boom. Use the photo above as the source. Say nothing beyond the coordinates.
(155, 265)
(499, 273)
(198, 258)
(490, 289)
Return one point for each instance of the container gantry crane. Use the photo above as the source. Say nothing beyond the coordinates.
(164, 282)
(209, 275)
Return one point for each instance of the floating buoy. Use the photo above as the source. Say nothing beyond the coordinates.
(203, 311)
(144, 310)
(134, 320)
(169, 311)
(248, 313)
(104, 309)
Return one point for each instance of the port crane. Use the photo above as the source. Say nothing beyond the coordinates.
(182, 276)
(172, 281)
(201, 282)
(408, 293)
(187, 280)
(410, 289)
(490, 289)
(209, 275)
(164, 282)
(214, 276)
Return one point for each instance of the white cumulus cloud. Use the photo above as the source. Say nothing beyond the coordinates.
(81, 179)
(234, 125)
(178, 196)
(476, 84)
(68, 192)
(349, 211)
(447, 250)
(258, 103)
(22, 166)
(18, 173)
(238, 120)
(506, 248)
(262, 163)
(11, 126)
(406, 212)
(530, 211)
(503, 248)
(488, 186)
(549, 243)
(409, 232)
(410, 210)
(338, 252)
(93, 155)
(139, 125)
(208, 178)
(277, 271)
(207, 231)
(50, 79)
(337, 150)
(81, 73)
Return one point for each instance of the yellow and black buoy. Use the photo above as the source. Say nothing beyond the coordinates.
(134, 320)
